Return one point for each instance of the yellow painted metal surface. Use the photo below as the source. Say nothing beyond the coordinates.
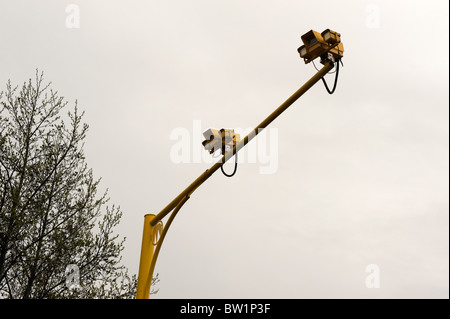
(203, 177)
(147, 249)
(153, 224)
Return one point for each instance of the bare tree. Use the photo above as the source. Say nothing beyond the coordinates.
(50, 213)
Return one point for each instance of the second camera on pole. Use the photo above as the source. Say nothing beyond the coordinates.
(223, 140)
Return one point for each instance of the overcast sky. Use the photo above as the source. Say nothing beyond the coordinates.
(360, 177)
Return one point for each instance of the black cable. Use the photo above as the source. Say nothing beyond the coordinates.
(335, 79)
(235, 168)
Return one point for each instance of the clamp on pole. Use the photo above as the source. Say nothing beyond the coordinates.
(152, 240)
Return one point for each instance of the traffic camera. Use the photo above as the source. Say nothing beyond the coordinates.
(223, 139)
(326, 45)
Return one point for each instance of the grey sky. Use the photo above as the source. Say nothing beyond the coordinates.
(362, 174)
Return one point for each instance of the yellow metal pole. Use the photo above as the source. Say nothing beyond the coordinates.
(203, 177)
(147, 263)
(147, 249)
(159, 243)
